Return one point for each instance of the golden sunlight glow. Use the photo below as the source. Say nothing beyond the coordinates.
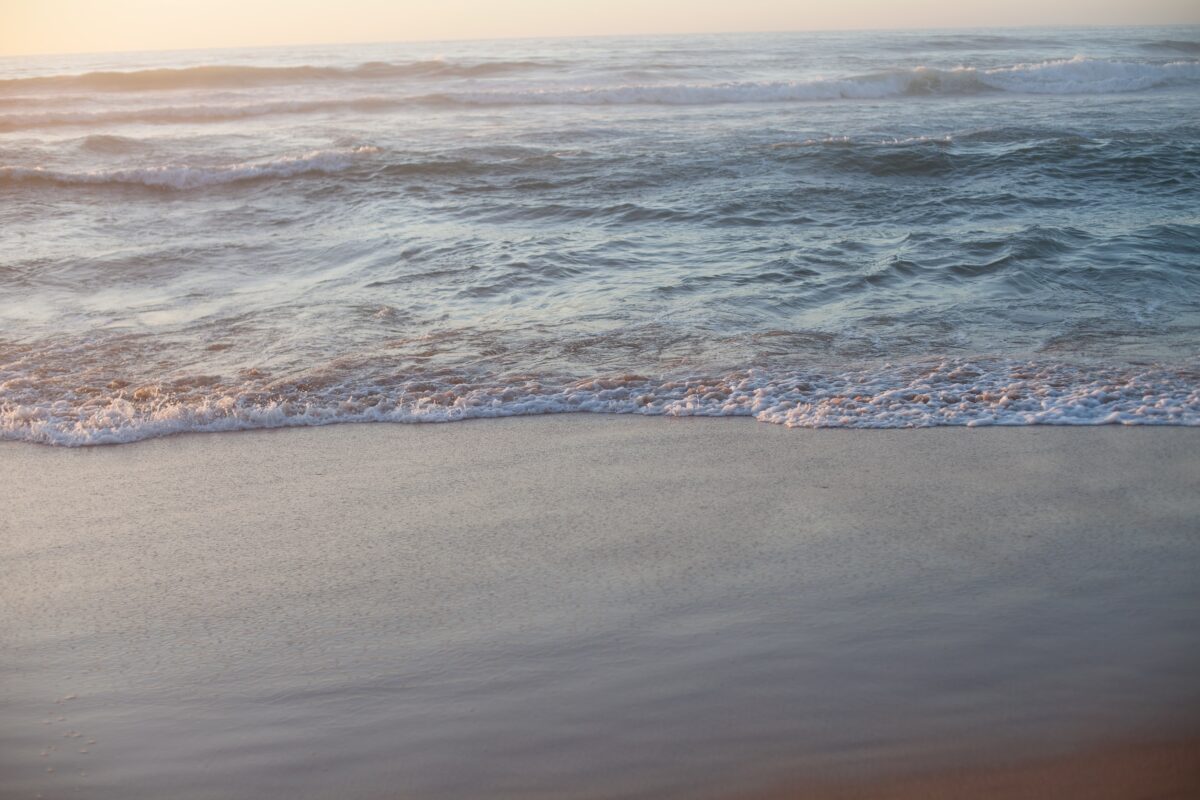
(60, 26)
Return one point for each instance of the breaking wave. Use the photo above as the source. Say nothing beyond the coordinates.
(1068, 76)
(1072, 76)
(1065, 76)
(921, 394)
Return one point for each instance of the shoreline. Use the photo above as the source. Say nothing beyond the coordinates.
(52, 441)
(600, 606)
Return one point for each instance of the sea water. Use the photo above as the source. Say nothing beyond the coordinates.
(817, 229)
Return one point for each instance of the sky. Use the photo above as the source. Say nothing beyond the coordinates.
(73, 26)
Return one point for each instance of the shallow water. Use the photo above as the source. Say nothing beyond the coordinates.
(867, 229)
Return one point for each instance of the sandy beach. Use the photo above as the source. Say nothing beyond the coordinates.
(599, 400)
(603, 607)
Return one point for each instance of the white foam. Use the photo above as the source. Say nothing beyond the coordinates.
(846, 140)
(1080, 75)
(920, 394)
(183, 176)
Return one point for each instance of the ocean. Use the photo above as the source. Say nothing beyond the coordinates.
(869, 229)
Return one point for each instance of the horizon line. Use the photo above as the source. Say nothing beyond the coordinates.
(468, 39)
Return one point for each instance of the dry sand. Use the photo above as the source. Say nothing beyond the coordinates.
(594, 607)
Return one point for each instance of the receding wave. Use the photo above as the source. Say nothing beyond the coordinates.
(183, 176)
(919, 394)
(227, 76)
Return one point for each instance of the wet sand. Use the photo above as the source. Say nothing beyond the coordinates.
(1160, 771)
(603, 607)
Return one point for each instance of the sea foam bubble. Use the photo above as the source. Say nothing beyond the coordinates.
(927, 393)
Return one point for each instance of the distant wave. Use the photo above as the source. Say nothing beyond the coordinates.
(1164, 162)
(1081, 75)
(223, 76)
(953, 41)
(1170, 163)
(182, 176)
(1173, 46)
(1070, 76)
(918, 394)
(165, 115)
(109, 144)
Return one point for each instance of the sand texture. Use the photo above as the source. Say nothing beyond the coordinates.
(602, 607)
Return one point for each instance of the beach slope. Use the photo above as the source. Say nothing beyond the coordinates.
(598, 606)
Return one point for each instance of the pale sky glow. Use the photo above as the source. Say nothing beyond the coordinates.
(65, 26)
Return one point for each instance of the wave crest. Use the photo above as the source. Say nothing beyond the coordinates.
(1072, 76)
(230, 76)
(170, 115)
(183, 176)
(1174, 46)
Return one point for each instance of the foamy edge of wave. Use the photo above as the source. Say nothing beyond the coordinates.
(926, 394)
(183, 176)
